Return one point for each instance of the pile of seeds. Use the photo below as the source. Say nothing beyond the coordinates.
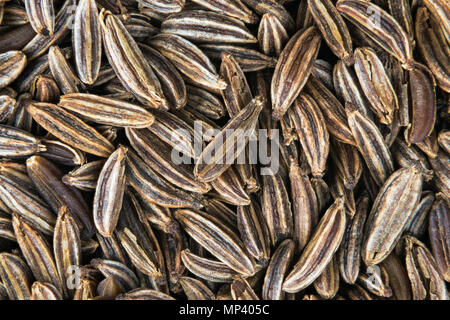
(105, 195)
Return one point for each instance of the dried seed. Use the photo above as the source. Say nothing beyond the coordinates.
(305, 206)
(41, 16)
(36, 252)
(205, 26)
(332, 110)
(106, 110)
(188, 59)
(109, 192)
(375, 84)
(312, 132)
(276, 208)
(154, 189)
(46, 176)
(333, 28)
(87, 41)
(327, 284)
(380, 26)
(45, 291)
(438, 229)
(220, 153)
(319, 250)
(18, 143)
(171, 81)
(12, 63)
(16, 276)
(129, 63)
(207, 269)
(232, 8)
(70, 129)
(293, 68)
(195, 289)
(349, 254)
(223, 243)
(254, 232)
(84, 177)
(249, 60)
(390, 214)
(272, 36)
(276, 271)
(370, 144)
(66, 248)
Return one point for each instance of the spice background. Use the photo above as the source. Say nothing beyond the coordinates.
(100, 99)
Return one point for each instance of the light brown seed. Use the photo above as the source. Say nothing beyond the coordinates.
(195, 289)
(188, 59)
(45, 291)
(320, 249)
(349, 254)
(67, 249)
(109, 192)
(218, 239)
(144, 294)
(207, 26)
(220, 153)
(87, 41)
(333, 28)
(129, 63)
(438, 230)
(12, 64)
(241, 290)
(154, 189)
(18, 194)
(305, 207)
(249, 59)
(207, 269)
(84, 177)
(18, 143)
(232, 8)
(432, 48)
(172, 83)
(62, 72)
(380, 26)
(390, 214)
(237, 94)
(312, 132)
(293, 68)
(41, 16)
(398, 279)
(70, 129)
(16, 276)
(375, 84)
(254, 232)
(159, 155)
(327, 284)
(106, 110)
(272, 36)
(332, 110)
(276, 208)
(37, 252)
(62, 153)
(371, 145)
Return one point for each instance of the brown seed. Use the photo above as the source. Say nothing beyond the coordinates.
(70, 129)
(293, 68)
(109, 192)
(390, 214)
(319, 250)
